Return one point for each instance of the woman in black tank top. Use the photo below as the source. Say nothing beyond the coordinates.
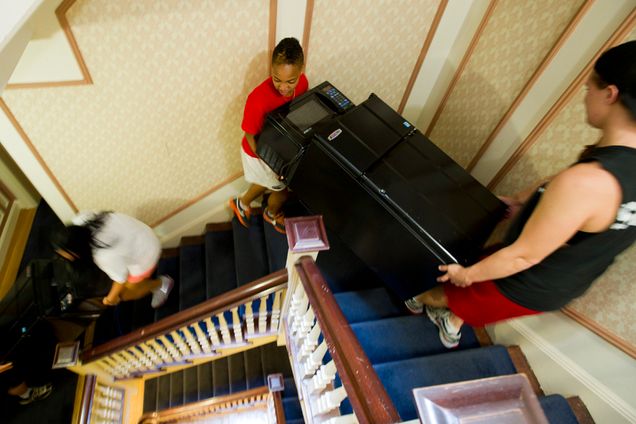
(575, 224)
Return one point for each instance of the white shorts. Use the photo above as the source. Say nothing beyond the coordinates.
(257, 172)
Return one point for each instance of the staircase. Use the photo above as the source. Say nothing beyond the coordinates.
(228, 375)
(203, 267)
(404, 350)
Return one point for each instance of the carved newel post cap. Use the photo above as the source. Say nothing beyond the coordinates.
(306, 234)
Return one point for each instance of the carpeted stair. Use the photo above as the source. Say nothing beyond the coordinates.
(405, 349)
(231, 374)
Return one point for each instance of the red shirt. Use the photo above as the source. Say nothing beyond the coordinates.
(261, 101)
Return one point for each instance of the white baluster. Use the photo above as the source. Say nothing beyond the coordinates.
(181, 345)
(310, 342)
(192, 342)
(344, 419)
(249, 319)
(149, 352)
(171, 348)
(237, 326)
(331, 400)
(202, 339)
(276, 311)
(325, 375)
(214, 337)
(161, 351)
(225, 331)
(314, 360)
(262, 315)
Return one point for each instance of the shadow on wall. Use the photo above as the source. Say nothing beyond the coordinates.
(233, 115)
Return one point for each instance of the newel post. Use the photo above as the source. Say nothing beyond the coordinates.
(306, 236)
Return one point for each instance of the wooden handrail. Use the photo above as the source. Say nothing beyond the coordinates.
(251, 291)
(192, 408)
(278, 408)
(369, 399)
(87, 399)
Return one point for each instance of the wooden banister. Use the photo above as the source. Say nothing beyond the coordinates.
(252, 291)
(278, 408)
(87, 399)
(202, 407)
(369, 399)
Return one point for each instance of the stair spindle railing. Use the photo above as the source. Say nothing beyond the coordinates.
(313, 325)
(198, 332)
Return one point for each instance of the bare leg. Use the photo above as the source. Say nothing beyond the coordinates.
(437, 298)
(276, 201)
(113, 296)
(133, 291)
(252, 193)
(18, 390)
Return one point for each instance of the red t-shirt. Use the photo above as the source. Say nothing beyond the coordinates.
(261, 101)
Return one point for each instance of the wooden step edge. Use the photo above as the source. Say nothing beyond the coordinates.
(192, 240)
(482, 336)
(523, 367)
(171, 252)
(218, 226)
(580, 411)
(17, 243)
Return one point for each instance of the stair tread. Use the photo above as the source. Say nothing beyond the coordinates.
(557, 410)
(401, 377)
(238, 382)
(250, 251)
(169, 266)
(221, 379)
(292, 409)
(366, 305)
(275, 360)
(277, 247)
(219, 260)
(405, 337)
(192, 285)
(253, 368)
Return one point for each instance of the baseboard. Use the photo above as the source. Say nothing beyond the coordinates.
(17, 244)
(569, 360)
(192, 221)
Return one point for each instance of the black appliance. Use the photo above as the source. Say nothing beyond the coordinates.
(288, 129)
(397, 200)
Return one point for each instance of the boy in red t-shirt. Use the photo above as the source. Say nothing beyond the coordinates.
(285, 83)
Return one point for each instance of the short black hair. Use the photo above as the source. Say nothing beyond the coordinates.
(617, 66)
(288, 52)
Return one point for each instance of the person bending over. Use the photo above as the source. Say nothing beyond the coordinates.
(285, 83)
(569, 230)
(126, 249)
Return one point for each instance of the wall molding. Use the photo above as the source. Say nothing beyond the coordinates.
(563, 100)
(420, 59)
(601, 331)
(309, 14)
(462, 65)
(60, 12)
(36, 154)
(569, 29)
(592, 383)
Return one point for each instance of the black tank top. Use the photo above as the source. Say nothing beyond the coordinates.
(569, 271)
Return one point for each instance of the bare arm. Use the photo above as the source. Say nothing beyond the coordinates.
(251, 141)
(577, 199)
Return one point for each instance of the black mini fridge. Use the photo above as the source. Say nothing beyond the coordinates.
(398, 201)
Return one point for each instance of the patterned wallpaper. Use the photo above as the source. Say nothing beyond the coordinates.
(610, 301)
(514, 41)
(161, 123)
(363, 47)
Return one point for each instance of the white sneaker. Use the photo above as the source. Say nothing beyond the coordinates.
(38, 393)
(414, 306)
(160, 295)
(448, 334)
